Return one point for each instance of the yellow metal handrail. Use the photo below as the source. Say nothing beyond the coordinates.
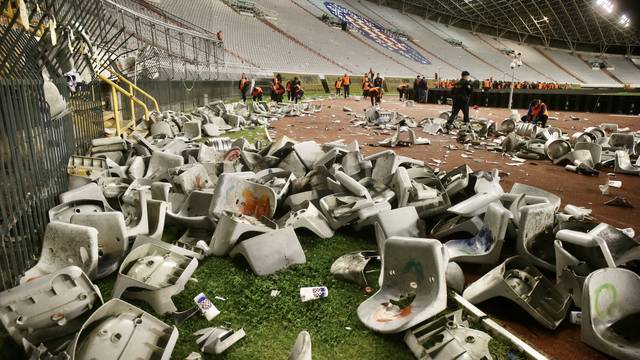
(117, 88)
(133, 87)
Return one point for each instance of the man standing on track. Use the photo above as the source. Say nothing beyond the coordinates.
(461, 94)
(244, 87)
(346, 81)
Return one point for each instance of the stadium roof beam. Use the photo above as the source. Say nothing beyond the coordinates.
(574, 23)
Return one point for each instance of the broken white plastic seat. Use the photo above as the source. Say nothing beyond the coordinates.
(308, 217)
(486, 246)
(413, 268)
(182, 250)
(352, 185)
(536, 236)
(401, 185)
(610, 313)
(401, 222)
(456, 180)
(450, 224)
(112, 238)
(475, 205)
(65, 245)
(594, 149)
(622, 141)
(191, 177)
(293, 163)
(160, 163)
(239, 196)
(49, 309)
(556, 147)
(194, 212)
(623, 164)
(119, 330)
(342, 209)
(529, 190)
(606, 245)
(232, 228)
(271, 252)
(352, 266)
(385, 165)
(279, 181)
(216, 340)
(521, 282)
(302, 347)
(427, 194)
(154, 274)
(90, 191)
(157, 212)
(64, 211)
(448, 337)
(578, 254)
(487, 182)
(309, 152)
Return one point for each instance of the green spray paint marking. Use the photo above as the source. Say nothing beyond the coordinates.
(609, 289)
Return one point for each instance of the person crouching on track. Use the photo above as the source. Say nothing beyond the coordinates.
(256, 94)
(288, 87)
(375, 93)
(537, 113)
(461, 94)
(298, 92)
(403, 90)
(244, 87)
(338, 86)
(278, 92)
(366, 86)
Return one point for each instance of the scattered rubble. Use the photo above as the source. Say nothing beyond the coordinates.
(231, 197)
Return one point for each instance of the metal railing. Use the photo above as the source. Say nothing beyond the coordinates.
(34, 145)
(171, 51)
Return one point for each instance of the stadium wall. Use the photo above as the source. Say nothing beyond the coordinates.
(598, 101)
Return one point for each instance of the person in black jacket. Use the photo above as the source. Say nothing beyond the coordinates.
(422, 90)
(461, 94)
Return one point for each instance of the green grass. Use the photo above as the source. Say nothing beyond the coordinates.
(272, 323)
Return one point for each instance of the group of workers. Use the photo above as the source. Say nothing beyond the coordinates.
(489, 84)
(420, 88)
(373, 87)
(293, 88)
(461, 95)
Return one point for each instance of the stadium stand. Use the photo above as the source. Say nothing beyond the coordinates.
(299, 41)
(580, 68)
(249, 36)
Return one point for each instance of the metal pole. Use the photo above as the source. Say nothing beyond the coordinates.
(513, 77)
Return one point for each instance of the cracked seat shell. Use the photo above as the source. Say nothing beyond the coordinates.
(410, 265)
(154, 274)
(49, 308)
(611, 305)
(519, 281)
(271, 252)
(64, 245)
(119, 330)
(494, 229)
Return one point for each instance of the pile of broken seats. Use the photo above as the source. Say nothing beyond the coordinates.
(217, 118)
(589, 151)
(377, 119)
(233, 198)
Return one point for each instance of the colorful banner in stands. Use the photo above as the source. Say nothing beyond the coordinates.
(375, 32)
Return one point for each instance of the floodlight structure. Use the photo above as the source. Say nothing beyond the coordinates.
(516, 63)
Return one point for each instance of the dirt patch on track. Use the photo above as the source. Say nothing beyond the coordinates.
(564, 343)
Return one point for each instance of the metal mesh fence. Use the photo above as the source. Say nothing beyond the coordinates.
(34, 145)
